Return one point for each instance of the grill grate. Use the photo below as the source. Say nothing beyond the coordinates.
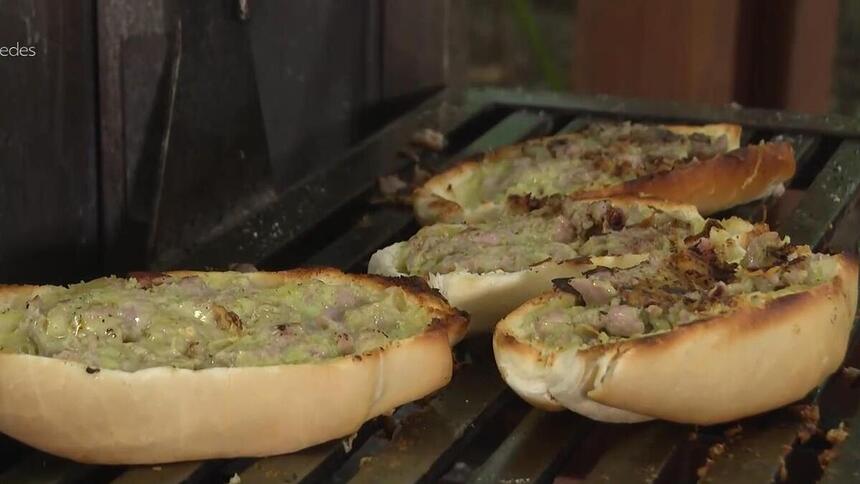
(476, 430)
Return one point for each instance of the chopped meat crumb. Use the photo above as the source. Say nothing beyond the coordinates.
(347, 442)
(850, 372)
(826, 456)
(838, 435)
(429, 139)
(390, 185)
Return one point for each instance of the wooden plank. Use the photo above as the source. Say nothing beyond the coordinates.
(117, 21)
(673, 49)
(415, 46)
(812, 49)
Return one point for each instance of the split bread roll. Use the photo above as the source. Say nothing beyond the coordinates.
(194, 365)
(734, 323)
(699, 165)
(487, 269)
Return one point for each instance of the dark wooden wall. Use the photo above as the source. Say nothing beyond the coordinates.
(143, 124)
(756, 52)
(48, 152)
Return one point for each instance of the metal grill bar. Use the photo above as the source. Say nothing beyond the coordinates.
(427, 442)
(639, 454)
(827, 196)
(535, 450)
(602, 105)
(179, 472)
(757, 456)
(41, 468)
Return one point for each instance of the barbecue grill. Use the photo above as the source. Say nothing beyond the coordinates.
(476, 429)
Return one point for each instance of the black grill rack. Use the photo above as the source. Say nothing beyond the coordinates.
(476, 429)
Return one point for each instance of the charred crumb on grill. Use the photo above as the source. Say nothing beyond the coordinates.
(733, 431)
(243, 267)
(227, 320)
(850, 372)
(808, 413)
(782, 472)
(826, 457)
(148, 280)
(391, 185)
(714, 452)
(430, 139)
(410, 155)
(837, 435)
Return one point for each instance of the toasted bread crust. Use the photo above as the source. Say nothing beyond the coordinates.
(715, 184)
(747, 362)
(166, 414)
(718, 183)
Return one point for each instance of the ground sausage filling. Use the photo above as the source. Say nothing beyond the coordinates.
(554, 229)
(207, 320)
(601, 155)
(731, 263)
